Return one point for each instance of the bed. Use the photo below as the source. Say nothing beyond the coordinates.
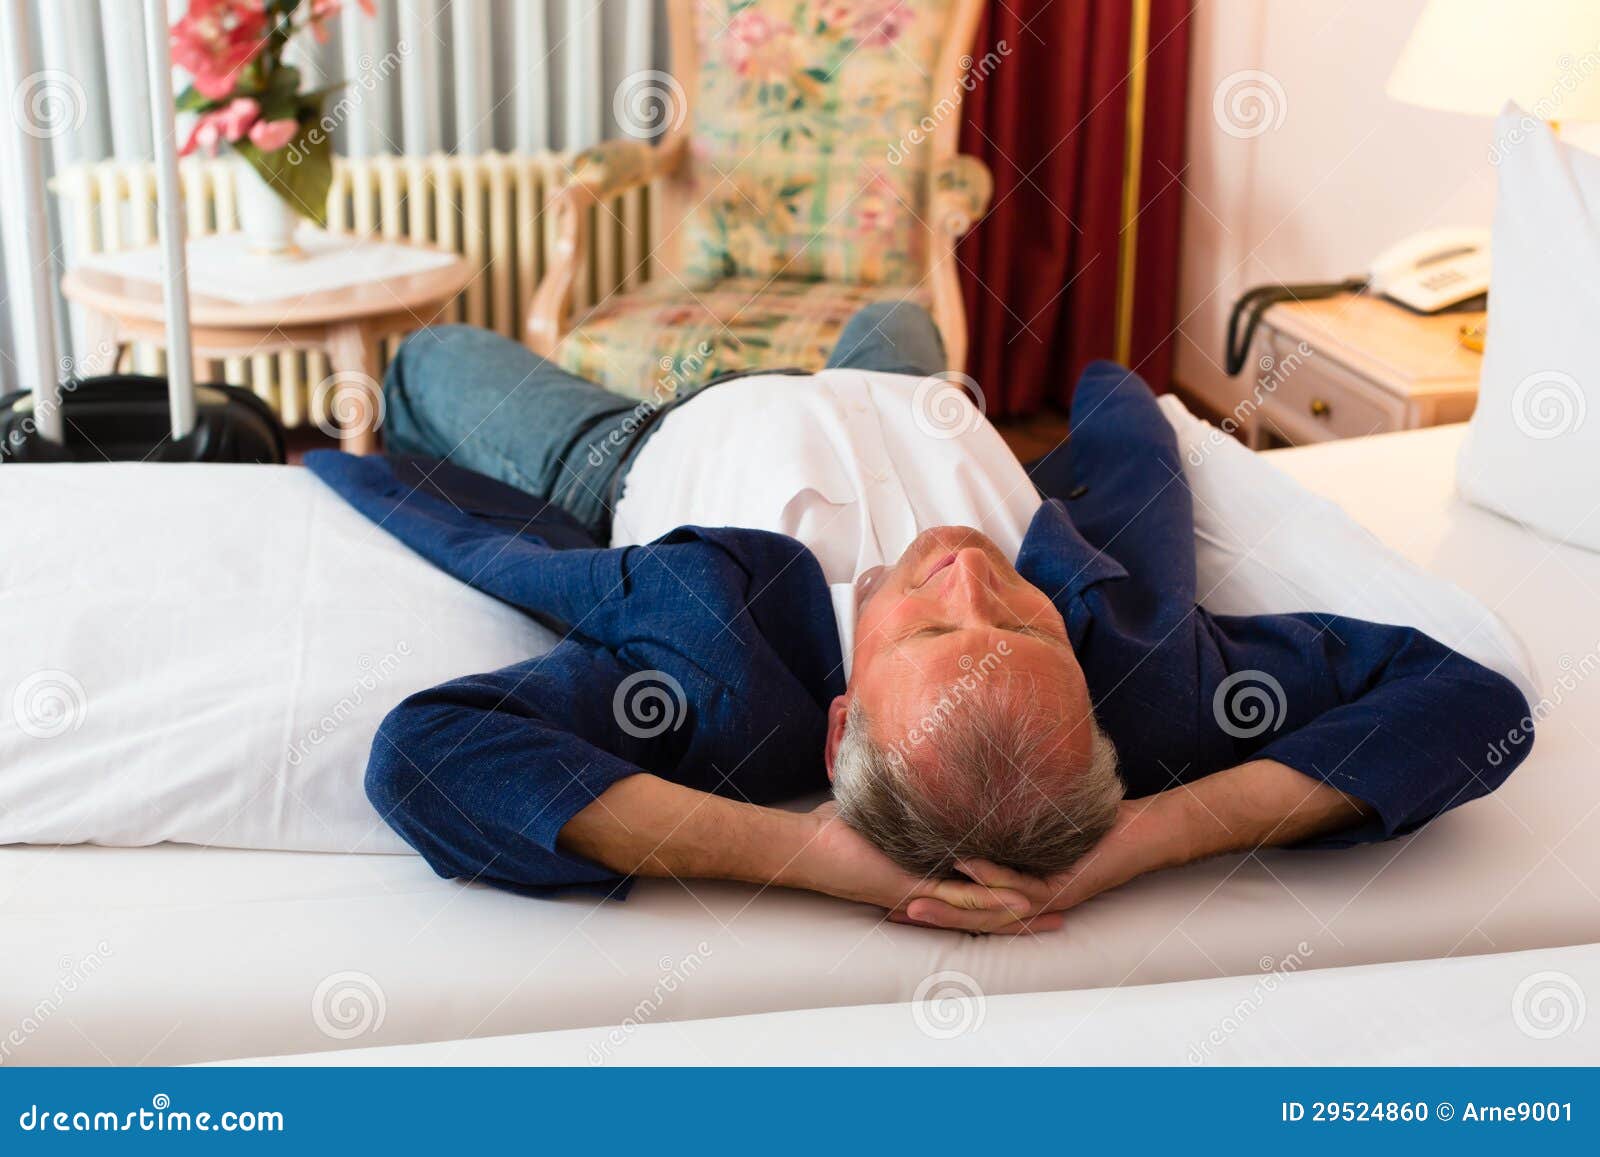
(209, 953)
(1511, 1008)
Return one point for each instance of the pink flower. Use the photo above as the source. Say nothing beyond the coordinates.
(216, 39)
(754, 43)
(229, 123)
(270, 136)
(884, 23)
(235, 120)
(836, 13)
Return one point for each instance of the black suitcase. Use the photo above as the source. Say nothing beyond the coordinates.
(129, 417)
(125, 417)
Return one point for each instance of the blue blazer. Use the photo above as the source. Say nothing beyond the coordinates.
(481, 774)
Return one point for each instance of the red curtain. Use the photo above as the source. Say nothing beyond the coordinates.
(1041, 271)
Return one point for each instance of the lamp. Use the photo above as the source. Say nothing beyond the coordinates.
(1472, 56)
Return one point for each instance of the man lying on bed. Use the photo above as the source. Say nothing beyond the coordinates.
(981, 702)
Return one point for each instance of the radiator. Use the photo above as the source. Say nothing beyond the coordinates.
(489, 207)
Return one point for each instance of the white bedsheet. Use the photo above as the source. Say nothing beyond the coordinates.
(208, 954)
(1514, 1008)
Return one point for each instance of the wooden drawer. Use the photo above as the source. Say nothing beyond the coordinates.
(1312, 398)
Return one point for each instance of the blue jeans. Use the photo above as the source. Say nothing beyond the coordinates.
(493, 406)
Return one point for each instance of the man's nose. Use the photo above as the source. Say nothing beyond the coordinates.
(973, 582)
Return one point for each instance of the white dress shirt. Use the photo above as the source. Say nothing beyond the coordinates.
(852, 464)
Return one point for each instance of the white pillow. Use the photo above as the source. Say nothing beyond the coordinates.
(203, 654)
(1533, 451)
(1264, 544)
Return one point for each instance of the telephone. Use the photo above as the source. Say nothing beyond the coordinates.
(1432, 271)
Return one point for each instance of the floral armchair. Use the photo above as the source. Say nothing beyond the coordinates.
(814, 171)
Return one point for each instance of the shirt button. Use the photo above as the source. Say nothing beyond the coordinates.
(1077, 492)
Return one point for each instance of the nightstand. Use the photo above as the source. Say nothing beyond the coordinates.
(1353, 365)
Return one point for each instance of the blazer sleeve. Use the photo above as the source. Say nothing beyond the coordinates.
(522, 550)
(1398, 720)
(481, 774)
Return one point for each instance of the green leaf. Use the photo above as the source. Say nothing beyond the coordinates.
(301, 172)
(190, 100)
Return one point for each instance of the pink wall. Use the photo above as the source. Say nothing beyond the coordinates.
(1345, 172)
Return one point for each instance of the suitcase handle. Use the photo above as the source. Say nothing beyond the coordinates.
(169, 196)
(32, 243)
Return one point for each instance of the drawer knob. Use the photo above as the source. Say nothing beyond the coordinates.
(1321, 409)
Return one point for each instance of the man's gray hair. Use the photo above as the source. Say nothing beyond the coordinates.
(990, 786)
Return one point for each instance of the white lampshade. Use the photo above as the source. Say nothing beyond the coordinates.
(1472, 56)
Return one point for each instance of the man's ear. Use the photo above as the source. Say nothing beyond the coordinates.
(837, 711)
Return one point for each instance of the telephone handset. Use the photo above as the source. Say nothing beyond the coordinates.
(1434, 270)
(1429, 272)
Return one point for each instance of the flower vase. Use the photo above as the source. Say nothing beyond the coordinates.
(267, 221)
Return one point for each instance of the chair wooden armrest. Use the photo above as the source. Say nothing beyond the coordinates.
(596, 176)
(963, 187)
